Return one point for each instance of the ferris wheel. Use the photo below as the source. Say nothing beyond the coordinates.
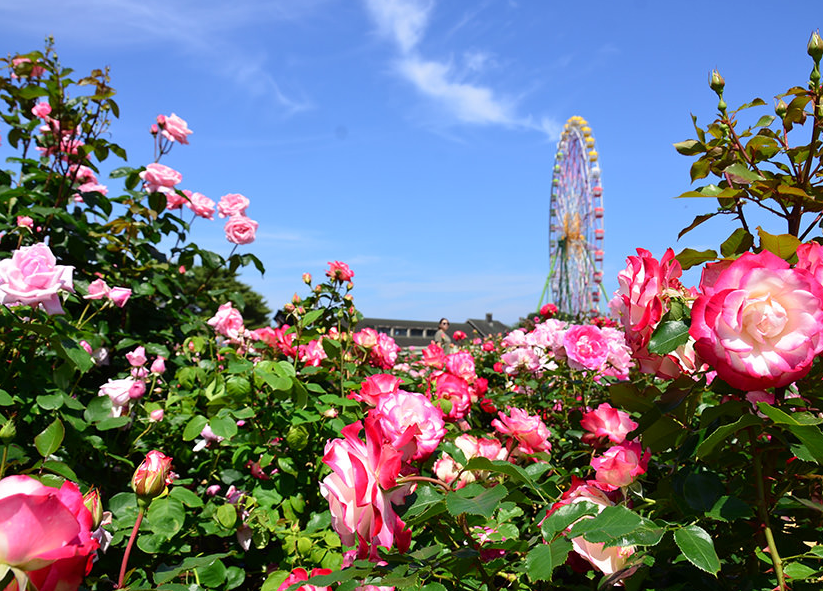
(576, 232)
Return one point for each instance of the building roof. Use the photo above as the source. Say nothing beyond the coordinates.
(419, 333)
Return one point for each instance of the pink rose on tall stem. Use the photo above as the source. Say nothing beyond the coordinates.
(232, 204)
(758, 322)
(529, 430)
(200, 204)
(119, 296)
(150, 478)
(98, 289)
(606, 421)
(620, 465)
(45, 534)
(173, 128)
(32, 277)
(228, 322)
(240, 230)
(339, 271)
(160, 178)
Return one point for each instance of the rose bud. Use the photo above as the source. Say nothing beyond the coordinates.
(149, 479)
(95, 506)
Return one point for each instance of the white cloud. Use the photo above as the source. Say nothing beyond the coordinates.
(403, 21)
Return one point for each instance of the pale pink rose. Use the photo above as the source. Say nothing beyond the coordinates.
(240, 230)
(810, 257)
(160, 178)
(620, 360)
(520, 359)
(213, 490)
(120, 393)
(585, 347)
(227, 322)
(384, 353)
(140, 373)
(447, 470)
(456, 391)
(157, 415)
(758, 322)
(21, 63)
(137, 357)
(24, 221)
(410, 423)
(365, 338)
(338, 271)
(41, 110)
(158, 366)
(232, 204)
(606, 421)
(175, 200)
(200, 204)
(461, 364)
(362, 489)
(620, 465)
(375, 387)
(119, 296)
(45, 534)
(98, 289)
(529, 430)
(93, 188)
(32, 277)
(300, 574)
(173, 128)
(82, 174)
(312, 353)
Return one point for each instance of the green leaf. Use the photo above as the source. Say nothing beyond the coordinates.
(79, 356)
(503, 467)
(668, 336)
(165, 574)
(428, 502)
(539, 565)
(565, 516)
(112, 423)
(799, 425)
(730, 508)
(225, 426)
(186, 497)
(698, 548)
(764, 121)
(166, 516)
(49, 440)
(689, 257)
(50, 401)
(689, 147)
(612, 522)
(722, 433)
(741, 174)
(5, 398)
(468, 501)
(194, 427)
(212, 575)
(739, 242)
(783, 245)
(696, 222)
(798, 570)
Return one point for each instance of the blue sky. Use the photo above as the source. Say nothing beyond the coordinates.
(415, 139)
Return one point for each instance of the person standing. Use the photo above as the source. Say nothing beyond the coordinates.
(442, 338)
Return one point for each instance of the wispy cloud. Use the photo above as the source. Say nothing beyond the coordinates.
(404, 23)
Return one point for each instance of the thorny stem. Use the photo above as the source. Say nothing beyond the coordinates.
(3, 462)
(128, 548)
(763, 511)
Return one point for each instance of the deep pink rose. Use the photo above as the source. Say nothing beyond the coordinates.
(810, 257)
(232, 204)
(758, 322)
(200, 204)
(312, 353)
(157, 415)
(410, 423)
(461, 364)
(375, 387)
(456, 391)
(548, 310)
(339, 271)
(228, 322)
(32, 276)
(160, 178)
(529, 430)
(240, 229)
(174, 128)
(606, 421)
(41, 110)
(434, 356)
(300, 574)
(620, 465)
(384, 353)
(119, 296)
(45, 533)
(459, 335)
(586, 347)
(158, 366)
(362, 489)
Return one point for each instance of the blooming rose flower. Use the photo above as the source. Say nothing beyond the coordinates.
(434, 356)
(365, 338)
(159, 178)
(228, 322)
(137, 357)
(173, 128)
(32, 276)
(232, 204)
(24, 221)
(410, 423)
(459, 335)
(529, 430)
(548, 310)
(240, 230)
(620, 465)
(120, 392)
(362, 489)
(384, 353)
(45, 534)
(152, 475)
(606, 421)
(119, 296)
(585, 347)
(375, 387)
(456, 391)
(98, 289)
(199, 204)
(300, 574)
(339, 271)
(447, 470)
(461, 364)
(810, 257)
(312, 353)
(758, 322)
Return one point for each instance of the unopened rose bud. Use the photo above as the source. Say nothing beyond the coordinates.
(149, 480)
(780, 108)
(7, 432)
(330, 413)
(815, 46)
(157, 415)
(95, 506)
(348, 297)
(350, 285)
(318, 289)
(288, 307)
(86, 347)
(295, 299)
(158, 366)
(716, 82)
(307, 278)
(301, 310)
(154, 129)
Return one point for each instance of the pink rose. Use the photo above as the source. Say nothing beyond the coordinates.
(758, 322)
(152, 475)
(86, 347)
(157, 415)
(459, 335)
(121, 392)
(447, 470)
(548, 310)
(434, 356)
(461, 364)
(20, 64)
(362, 489)
(232, 204)
(240, 229)
(173, 128)
(384, 353)
(529, 430)
(338, 271)
(585, 347)
(137, 357)
(810, 257)
(31, 277)
(200, 204)
(365, 338)
(620, 465)
(312, 353)
(24, 221)
(300, 574)
(609, 422)
(45, 534)
(375, 387)
(456, 391)
(410, 423)
(98, 289)
(160, 178)
(119, 296)
(41, 110)
(158, 366)
(228, 322)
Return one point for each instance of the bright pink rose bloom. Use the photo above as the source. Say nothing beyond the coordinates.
(365, 338)
(375, 387)
(277, 338)
(461, 364)
(159, 178)
(98, 289)
(586, 347)
(548, 310)
(620, 465)
(32, 276)
(434, 356)
(228, 322)
(410, 423)
(529, 430)
(312, 353)
(384, 353)
(758, 322)
(174, 128)
(339, 271)
(45, 533)
(488, 346)
(810, 257)
(232, 204)
(362, 489)
(137, 357)
(119, 296)
(300, 574)
(158, 366)
(157, 415)
(456, 391)
(459, 335)
(24, 221)
(606, 421)
(240, 229)
(200, 204)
